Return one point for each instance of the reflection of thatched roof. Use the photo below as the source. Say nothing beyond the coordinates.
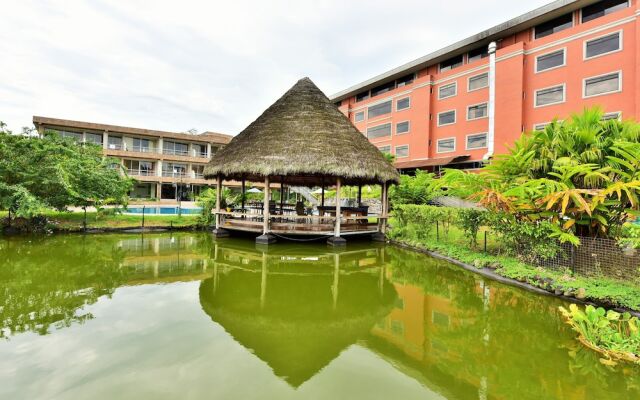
(297, 332)
(302, 137)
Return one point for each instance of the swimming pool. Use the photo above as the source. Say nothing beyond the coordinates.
(163, 210)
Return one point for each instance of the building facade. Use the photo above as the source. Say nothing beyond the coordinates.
(459, 106)
(167, 166)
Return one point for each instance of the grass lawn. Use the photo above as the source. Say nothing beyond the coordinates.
(71, 221)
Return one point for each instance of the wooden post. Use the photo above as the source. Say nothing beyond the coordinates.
(338, 208)
(385, 206)
(359, 194)
(281, 194)
(322, 184)
(218, 200)
(265, 208)
(243, 194)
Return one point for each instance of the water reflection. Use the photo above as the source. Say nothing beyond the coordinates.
(300, 311)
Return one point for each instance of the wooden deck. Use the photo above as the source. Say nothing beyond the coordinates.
(300, 225)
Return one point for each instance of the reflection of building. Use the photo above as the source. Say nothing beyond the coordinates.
(158, 258)
(166, 165)
(297, 310)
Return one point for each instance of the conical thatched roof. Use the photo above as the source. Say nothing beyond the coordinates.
(303, 139)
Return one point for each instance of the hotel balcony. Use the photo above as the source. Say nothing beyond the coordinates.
(141, 172)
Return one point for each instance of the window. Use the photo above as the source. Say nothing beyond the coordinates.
(115, 143)
(173, 170)
(402, 127)
(359, 116)
(385, 149)
(602, 45)
(379, 131)
(446, 145)
(95, 138)
(602, 8)
(379, 109)
(141, 145)
(453, 62)
(447, 91)
(611, 116)
(405, 80)
(403, 104)
(555, 25)
(550, 61)
(447, 118)
(200, 150)
(76, 136)
(476, 141)
(604, 84)
(478, 82)
(174, 148)
(383, 88)
(362, 96)
(139, 168)
(477, 54)
(540, 127)
(402, 151)
(548, 96)
(477, 111)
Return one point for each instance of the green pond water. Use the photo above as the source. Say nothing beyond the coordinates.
(182, 316)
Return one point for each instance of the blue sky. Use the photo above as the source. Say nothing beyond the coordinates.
(210, 65)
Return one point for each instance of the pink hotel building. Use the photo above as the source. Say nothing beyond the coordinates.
(460, 105)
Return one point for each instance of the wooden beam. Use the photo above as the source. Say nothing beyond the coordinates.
(281, 194)
(322, 184)
(385, 205)
(359, 194)
(265, 212)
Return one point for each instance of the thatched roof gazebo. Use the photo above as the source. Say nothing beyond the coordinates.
(302, 140)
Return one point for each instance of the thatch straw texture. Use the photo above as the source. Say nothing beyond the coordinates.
(302, 139)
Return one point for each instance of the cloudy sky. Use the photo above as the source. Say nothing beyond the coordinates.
(210, 65)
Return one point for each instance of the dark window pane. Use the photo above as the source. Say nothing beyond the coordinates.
(550, 96)
(362, 96)
(602, 8)
(549, 61)
(451, 63)
(477, 54)
(602, 84)
(385, 149)
(379, 109)
(402, 127)
(477, 141)
(478, 111)
(359, 116)
(478, 82)
(555, 25)
(379, 131)
(445, 145)
(383, 88)
(405, 80)
(447, 91)
(603, 45)
(448, 117)
(403, 104)
(402, 151)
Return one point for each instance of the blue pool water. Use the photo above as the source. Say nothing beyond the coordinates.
(162, 210)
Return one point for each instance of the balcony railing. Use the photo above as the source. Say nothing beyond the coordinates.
(174, 174)
(173, 152)
(141, 149)
(198, 175)
(141, 172)
(201, 155)
(114, 146)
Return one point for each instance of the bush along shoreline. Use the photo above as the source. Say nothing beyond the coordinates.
(452, 234)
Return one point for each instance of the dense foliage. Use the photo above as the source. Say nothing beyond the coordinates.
(581, 175)
(51, 172)
(418, 189)
(615, 335)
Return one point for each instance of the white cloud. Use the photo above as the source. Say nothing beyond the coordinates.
(207, 64)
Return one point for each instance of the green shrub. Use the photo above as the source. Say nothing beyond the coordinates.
(470, 220)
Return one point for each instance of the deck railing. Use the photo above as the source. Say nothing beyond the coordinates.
(300, 224)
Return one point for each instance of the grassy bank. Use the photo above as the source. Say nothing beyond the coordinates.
(73, 221)
(600, 290)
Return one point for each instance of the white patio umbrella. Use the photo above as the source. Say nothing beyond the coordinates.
(254, 190)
